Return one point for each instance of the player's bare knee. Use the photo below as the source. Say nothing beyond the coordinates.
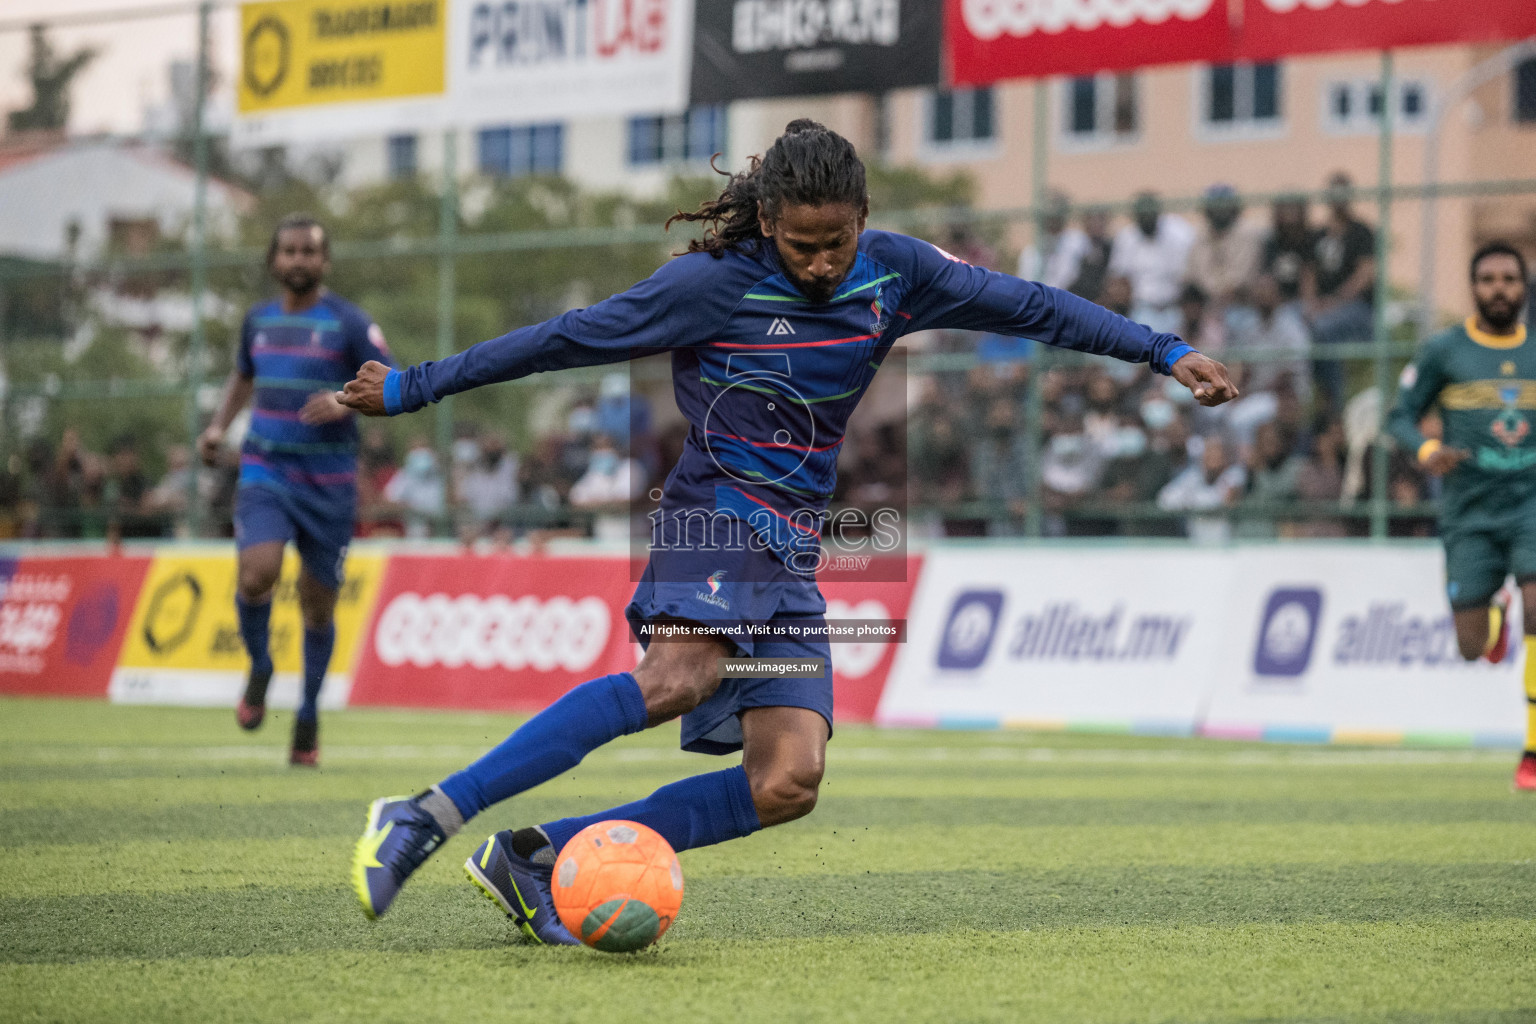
(783, 794)
(255, 585)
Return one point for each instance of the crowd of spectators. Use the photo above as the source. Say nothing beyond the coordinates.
(1127, 452)
(1123, 451)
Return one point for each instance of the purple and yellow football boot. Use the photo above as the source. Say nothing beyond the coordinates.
(520, 886)
(400, 836)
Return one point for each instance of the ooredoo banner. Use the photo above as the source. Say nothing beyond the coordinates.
(991, 40)
(1061, 636)
(1278, 28)
(62, 621)
(495, 632)
(183, 644)
(514, 633)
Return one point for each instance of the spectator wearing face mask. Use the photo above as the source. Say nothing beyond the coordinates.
(1057, 257)
(1153, 252)
(1209, 485)
(487, 489)
(1225, 257)
(1289, 246)
(1338, 285)
(609, 484)
(1272, 327)
(418, 489)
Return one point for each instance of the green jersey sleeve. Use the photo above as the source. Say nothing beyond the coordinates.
(1418, 388)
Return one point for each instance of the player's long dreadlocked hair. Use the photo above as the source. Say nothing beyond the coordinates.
(808, 165)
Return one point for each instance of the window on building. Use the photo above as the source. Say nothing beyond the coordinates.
(1525, 92)
(400, 153)
(1241, 96)
(512, 152)
(695, 136)
(1103, 107)
(960, 117)
(1355, 105)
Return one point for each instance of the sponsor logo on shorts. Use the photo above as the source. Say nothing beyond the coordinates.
(715, 580)
(968, 633)
(1288, 631)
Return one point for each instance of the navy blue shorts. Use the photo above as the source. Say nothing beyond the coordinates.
(728, 589)
(320, 531)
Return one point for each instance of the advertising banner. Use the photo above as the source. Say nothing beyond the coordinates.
(991, 40)
(514, 633)
(545, 60)
(62, 621)
(494, 632)
(1278, 28)
(298, 53)
(1341, 643)
(183, 644)
(1050, 637)
(746, 49)
(859, 670)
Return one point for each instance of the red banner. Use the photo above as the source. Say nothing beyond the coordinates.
(62, 621)
(1280, 28)
(859, 670)
(991, 40)
(492, 633)
(996, 39)
(508, 633)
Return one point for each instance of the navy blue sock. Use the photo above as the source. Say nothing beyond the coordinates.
(318, 644)
(253, 630)
(698, 811)
(553, 741)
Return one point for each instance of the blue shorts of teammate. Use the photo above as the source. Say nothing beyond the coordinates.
(320, 530)
(726, 589)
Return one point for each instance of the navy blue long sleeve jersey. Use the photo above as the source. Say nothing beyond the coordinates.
(767, 378)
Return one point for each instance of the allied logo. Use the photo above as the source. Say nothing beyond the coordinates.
(1288, 632)
(780, 326)
(972, 625)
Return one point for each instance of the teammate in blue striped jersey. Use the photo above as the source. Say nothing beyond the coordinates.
(777, 322)
(298, 465)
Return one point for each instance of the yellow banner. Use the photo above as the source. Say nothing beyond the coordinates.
(300, 53)
(185, 615)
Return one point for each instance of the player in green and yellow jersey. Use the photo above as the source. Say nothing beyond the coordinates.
(1482, 374)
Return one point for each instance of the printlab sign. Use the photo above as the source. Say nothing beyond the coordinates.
(744, 49)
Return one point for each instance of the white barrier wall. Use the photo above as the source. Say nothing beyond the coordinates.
(1288, 641)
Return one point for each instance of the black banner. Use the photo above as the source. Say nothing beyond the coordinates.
(747, 49)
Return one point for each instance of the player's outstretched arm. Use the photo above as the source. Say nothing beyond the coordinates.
(1206, 379)
(365, 392)
(682, 304)
(950, 293)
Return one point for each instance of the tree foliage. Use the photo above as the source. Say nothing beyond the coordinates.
(51, 75)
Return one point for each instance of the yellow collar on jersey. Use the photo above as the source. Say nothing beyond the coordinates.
(1494, 340)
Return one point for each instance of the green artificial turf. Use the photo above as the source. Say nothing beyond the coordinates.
(158, 865)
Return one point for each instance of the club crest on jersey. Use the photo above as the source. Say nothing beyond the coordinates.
(780, 326)
(1510, 427)
(880, 321)
(1507, 368)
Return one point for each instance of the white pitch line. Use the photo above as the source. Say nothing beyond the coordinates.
(835, 753)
